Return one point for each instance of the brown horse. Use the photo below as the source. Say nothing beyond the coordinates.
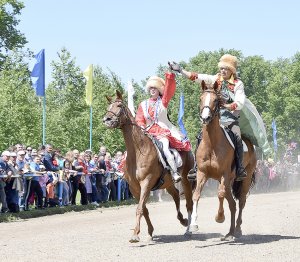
(215, 159)
(143, 169)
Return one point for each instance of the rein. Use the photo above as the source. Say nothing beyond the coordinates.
(118, 114)
(123, 109)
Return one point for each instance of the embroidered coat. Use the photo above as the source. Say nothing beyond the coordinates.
(152, 115)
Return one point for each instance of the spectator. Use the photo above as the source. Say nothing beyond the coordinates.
(19, 147)
(20, 159)
(69, 171)
(48, 159)
(14, 185)
(102, 151)
(78, 166)
(28, 156)
(6, 172)
(90, 183)
(33, 183)
(96, 174)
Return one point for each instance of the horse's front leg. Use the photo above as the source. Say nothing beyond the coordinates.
(201, 180)
(220, 217)
(140, 211)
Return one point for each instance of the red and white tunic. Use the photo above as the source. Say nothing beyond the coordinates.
(152, 115)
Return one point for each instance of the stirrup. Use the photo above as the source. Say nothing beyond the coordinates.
(176, 177)
(241, 174)
(192, 174)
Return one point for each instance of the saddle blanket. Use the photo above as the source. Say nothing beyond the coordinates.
(230, 136)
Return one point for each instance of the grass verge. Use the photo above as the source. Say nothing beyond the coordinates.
(11, 217)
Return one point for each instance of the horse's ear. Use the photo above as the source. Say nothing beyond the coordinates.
(119, 95)
(109, 99)
(203, 85)
(216, 86)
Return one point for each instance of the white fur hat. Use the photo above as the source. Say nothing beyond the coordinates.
(228, 61)
(157, 82)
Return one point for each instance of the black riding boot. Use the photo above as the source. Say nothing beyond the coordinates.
(192, 173)
(240, 170)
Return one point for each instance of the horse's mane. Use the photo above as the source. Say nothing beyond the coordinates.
(131, 121)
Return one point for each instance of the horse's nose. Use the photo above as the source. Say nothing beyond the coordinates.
(205, 120)
(106, 118)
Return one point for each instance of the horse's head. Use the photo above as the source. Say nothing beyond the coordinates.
(209, 102)
(116, 113)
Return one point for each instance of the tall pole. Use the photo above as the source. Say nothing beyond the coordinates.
(44, 105)
(91, 126)
(44, 120)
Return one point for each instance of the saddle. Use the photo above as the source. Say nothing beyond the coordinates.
(162, 159)
(231, 138)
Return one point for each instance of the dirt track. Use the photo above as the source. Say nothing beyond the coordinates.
(271, 228)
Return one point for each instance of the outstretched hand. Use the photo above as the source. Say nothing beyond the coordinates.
(175, 67)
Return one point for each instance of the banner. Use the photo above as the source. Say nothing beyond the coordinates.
(38, 74)
(274, 134)
(88, 74)
(180, 115)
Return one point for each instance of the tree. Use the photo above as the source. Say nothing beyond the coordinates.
(10, 37)
(19, 114)
(67, 115)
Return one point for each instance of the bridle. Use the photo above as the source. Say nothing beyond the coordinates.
(127, 118)
(118, 114)
(212, 113)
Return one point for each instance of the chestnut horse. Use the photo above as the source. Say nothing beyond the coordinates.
(215, 159)
(143, 169)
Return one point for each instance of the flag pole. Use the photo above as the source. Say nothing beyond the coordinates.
(44, 104)
(91, 126)
(44, 120)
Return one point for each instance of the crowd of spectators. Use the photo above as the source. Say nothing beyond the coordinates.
(40, 178)
(281, 174)
(271, 175)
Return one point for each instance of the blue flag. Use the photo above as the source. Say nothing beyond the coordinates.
(274, 134)
(38, 74)
(180, 115)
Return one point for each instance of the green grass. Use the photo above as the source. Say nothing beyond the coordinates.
(11, 217)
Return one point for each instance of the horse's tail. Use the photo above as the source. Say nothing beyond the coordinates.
(237, 186)
(253, 179)
(237, 189)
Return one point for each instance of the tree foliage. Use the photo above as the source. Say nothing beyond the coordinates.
(10, 37)
(274, 87)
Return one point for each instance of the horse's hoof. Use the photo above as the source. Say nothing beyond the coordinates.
(220, 219)
(193, 228)
(238, 233)
(188, 234)
(134, 239)
(149, 239)
(227, 238)
(184, 222)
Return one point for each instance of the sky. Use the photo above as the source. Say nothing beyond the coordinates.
(133, 37)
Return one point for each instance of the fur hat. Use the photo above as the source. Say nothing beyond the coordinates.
(228, 61)
(157, 82)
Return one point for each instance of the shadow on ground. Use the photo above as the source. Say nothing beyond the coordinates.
(254, 239)
(215, 240)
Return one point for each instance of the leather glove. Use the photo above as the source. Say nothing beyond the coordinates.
(175, 67)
